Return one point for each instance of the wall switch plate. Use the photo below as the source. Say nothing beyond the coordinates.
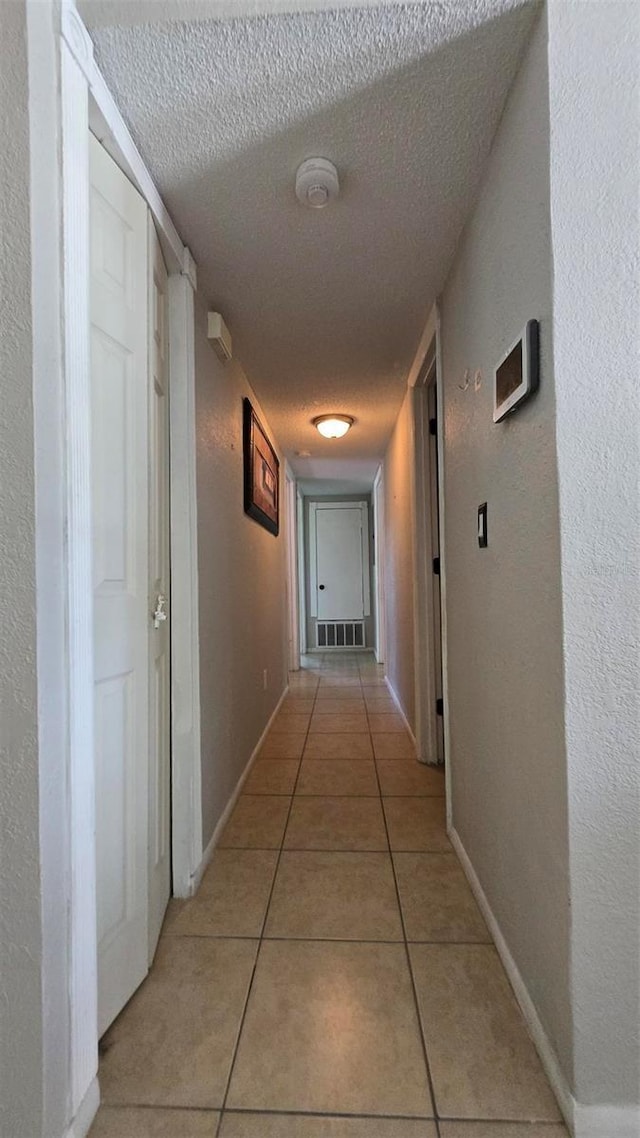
(483, 538)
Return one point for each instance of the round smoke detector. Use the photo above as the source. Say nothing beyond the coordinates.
(317, 183)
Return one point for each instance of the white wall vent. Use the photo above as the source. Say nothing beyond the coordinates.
(219, 335)
(340, 634)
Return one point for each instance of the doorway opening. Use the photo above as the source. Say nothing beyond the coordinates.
(428, 562)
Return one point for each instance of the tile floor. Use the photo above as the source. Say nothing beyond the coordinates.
(333, 978)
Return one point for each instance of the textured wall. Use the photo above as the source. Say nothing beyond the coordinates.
(20, 932)
(242, 588)
(504, 613)
(398, 472)
(594, 103)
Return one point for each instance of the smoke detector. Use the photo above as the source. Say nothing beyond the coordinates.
(317, 183)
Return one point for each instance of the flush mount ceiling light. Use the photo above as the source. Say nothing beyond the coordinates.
(333, 426)
(317, 183)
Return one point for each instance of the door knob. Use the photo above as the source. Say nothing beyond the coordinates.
(160, 615)
(321, 587)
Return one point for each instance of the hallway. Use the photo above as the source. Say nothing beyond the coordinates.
(334, 962)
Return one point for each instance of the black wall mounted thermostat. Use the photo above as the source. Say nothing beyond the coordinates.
(483, 538)
(517, 374)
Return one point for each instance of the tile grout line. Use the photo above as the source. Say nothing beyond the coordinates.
(331, 849)
(261, 938)
(332, 939)
(466, 1119)
(411, 976)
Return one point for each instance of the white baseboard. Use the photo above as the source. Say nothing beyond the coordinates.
(547, 1055)
(606, 1121)
(86, 1112)
(396, 700)
(601, 1121)
(226, 813)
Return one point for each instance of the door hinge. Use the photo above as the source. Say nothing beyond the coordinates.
(439, 707)
(433, 426)
(436, 566)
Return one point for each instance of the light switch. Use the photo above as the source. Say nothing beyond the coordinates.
(483, 539)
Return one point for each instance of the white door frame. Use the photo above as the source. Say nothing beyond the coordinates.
(291, 528)
(379, 546)
(86, 102)
(423, 550)
(437, 318)
(301, 570)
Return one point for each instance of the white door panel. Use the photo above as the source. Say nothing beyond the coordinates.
(159, 647)
(120, 565)
(339, 564)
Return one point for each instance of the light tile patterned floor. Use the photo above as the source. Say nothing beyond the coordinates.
(333, 978)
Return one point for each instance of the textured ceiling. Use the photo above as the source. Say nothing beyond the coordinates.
(326, 307)
(105, 13)
(336, 475)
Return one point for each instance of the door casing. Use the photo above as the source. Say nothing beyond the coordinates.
(380, 568)
(293, 588)
(429, 658)
(159, 600)
(301, 571)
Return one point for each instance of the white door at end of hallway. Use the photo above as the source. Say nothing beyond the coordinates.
(339, 563)
(123, 454)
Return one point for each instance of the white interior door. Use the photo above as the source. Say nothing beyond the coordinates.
(339, 563)
(119, 384)
(159, 642)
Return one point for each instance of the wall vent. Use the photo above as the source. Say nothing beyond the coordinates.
(340, 634)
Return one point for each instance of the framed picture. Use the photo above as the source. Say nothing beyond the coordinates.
(261, 473)
(516, 374)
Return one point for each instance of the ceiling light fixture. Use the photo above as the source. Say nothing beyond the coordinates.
(333, 426)
(317, 182)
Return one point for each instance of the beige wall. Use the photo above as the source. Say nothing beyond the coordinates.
(398, 553)
(504, 618)
(242, 587)
(21, 1040)
(595, 174)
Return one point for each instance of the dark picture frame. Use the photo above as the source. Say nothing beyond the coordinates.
(261, 472)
